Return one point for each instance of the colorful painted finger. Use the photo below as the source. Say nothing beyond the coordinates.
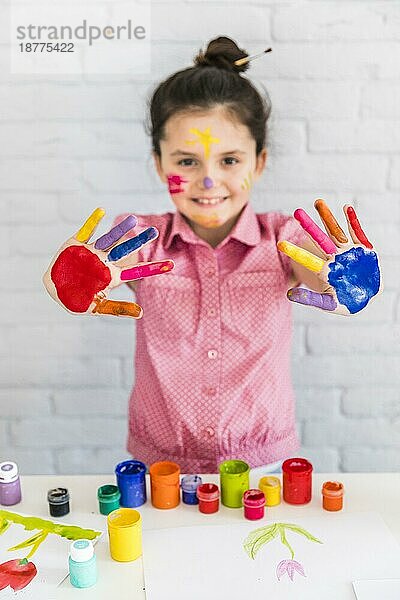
(359, 236)
(117, 308)
(301, 256)
(147, 270)
(133, 245)
(116, 233)
(316, 234)
(332, 226)
(304, 296)
(89, 226)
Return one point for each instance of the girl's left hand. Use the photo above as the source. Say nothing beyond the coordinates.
(350, 271)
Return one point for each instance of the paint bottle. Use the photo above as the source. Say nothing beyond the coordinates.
(332, 495)
(125, 534)
(82, 564)
(108, 497)
(164, 479)
(58, 500)
(131, 480)
(254, 504)
(234, 479)
(189, 485)
(208, 495)
(271, 486)
(10, 485)
(297, 479)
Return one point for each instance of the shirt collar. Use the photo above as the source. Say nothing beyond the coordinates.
(246, 230)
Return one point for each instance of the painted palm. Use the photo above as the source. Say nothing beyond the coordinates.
(82, 274)
(351, 271)
(263, 535)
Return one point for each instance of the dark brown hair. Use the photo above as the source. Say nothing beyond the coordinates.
(213, 80)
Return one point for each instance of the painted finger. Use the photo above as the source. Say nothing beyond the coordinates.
(331, 225)
(116, 233)
(357, 234)
(316, 234)
(89, 226)
(133, 245)
(301, 256)
(147, 270)
(117, 308)
(309, 298)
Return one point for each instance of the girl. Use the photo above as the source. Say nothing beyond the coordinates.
(212, 359)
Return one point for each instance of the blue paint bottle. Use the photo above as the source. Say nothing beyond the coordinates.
(131, 480)
(82, 564)
(189, 485)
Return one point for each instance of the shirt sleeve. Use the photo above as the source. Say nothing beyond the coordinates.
(288, 229)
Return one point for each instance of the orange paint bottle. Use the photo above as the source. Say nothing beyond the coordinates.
(164, 481)
(332, 495)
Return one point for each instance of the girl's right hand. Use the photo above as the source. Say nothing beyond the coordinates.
(81, 273)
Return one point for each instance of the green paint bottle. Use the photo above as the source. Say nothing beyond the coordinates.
(82, 564)
(234, 479)
(109, 498)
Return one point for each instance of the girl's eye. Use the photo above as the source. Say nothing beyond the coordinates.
(230, 160)
(186, 162)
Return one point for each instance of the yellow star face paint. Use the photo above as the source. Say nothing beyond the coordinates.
(205, 138)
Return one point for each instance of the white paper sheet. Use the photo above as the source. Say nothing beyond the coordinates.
(384, 589)
(194, 562)
(50, 559)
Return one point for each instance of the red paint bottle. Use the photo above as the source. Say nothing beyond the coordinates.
(297, 479)
(208, 495)
(254, 504)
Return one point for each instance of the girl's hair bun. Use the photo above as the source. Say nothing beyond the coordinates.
(222, 52)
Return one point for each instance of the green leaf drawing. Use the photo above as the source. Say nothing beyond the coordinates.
(261, 536)
(70, 532)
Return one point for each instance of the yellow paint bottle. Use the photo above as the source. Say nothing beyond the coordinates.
(125, 534)
(271, 486)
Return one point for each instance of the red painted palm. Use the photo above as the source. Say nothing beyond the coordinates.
(82, 274)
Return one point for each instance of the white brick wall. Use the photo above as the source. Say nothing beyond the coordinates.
(71, 143)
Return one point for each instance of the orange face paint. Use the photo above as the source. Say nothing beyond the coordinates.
(164, 480)
(332, 495)
(329, 220)
(118, 309)
(211, 221)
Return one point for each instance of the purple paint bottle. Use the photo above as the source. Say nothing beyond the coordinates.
(10, 485)
(189, 485)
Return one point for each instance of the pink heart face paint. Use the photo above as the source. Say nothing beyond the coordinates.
(175, 183)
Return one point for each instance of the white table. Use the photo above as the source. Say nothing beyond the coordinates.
(379, 492)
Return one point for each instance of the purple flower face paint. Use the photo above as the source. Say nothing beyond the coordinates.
(208, 183)
(355, 275)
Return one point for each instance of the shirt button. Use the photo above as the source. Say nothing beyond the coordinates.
(209, 391)
(210, 272)
(212, 354)
(211, 312)
(210, 431)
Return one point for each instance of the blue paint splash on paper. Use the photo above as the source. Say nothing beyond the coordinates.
(355, 275)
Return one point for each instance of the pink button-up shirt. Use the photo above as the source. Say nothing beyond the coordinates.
(212, 364)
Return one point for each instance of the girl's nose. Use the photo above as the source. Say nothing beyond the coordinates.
(208, 183)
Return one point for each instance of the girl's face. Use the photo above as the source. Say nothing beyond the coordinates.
(208, 160)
